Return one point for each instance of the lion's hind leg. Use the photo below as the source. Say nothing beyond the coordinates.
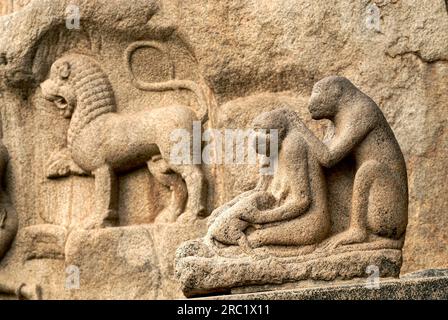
(160, 169)
(197, 188)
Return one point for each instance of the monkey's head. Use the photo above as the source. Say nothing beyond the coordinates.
(268, 123)
(326, 96)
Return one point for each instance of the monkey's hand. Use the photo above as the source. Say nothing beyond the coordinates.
(257, 208)
(236, 201)
(61, 165)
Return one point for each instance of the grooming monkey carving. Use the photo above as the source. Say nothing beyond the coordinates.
(380, 193)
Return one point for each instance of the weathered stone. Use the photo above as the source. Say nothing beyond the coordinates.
(288, 211)
(115, 253)
(426, 274)
(224, 63)
(420, 288)
(215, 274)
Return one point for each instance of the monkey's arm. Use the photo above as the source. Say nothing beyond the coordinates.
(289, 210)
(262, 182)
(341, 146)
(299, 194)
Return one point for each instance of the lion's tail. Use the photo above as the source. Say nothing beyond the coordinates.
(202, 96)
(192, 86)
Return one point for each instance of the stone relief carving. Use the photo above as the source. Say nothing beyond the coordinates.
(8, 230)
(289, 208)
(102, 143)
(334, 208)
(280, 231)
(8, 217)
(380, 191)
(22, 291)
(169, 85)
(53, 212)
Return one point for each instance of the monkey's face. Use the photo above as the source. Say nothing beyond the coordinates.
(324, 100)
(269, 128)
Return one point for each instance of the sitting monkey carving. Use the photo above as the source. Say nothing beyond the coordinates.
(286, 208)
(8, 216)
(8, 229)
(103, 143)
(380, 194)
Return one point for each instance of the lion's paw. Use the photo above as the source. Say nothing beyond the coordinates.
(61, 165)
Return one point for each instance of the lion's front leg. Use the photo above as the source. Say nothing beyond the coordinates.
(61, 165)
(106, 198)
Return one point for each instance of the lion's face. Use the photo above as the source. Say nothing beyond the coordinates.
(58, 88)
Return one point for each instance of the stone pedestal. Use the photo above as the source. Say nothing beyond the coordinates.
(201, 271)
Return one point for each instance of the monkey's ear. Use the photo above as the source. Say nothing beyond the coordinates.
(64, 71)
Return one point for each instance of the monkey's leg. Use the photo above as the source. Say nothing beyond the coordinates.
(196, 186)
(106, 198)
(305, 230)
(357, 231)
(388, 205)
(270, 236)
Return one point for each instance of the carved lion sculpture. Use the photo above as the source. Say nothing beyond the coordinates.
(103, 143)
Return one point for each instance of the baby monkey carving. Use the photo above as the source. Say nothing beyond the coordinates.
(380, 192)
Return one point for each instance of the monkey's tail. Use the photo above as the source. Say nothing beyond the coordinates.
(8, 228)
(169, 85)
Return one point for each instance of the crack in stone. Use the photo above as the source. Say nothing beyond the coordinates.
(418, 55)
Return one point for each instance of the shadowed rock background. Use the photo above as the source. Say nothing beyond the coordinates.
(256, 47)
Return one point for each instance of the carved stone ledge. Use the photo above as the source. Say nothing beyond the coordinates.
(43, 242)
(201, 272)
(128, 262)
